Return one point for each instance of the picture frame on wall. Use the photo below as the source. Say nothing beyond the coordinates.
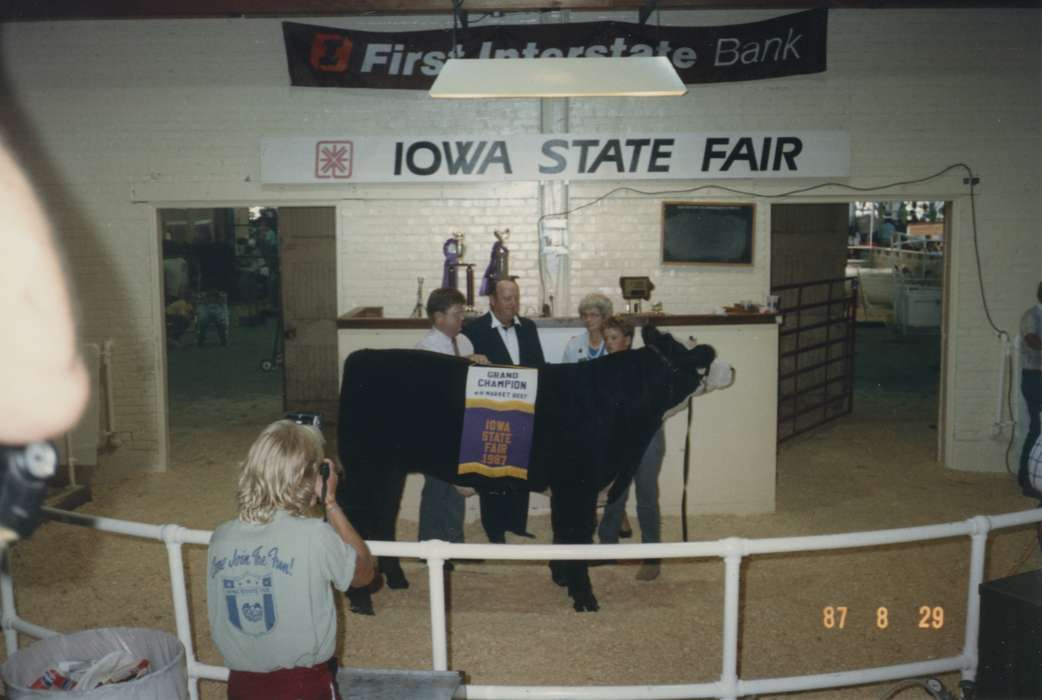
(708, 233)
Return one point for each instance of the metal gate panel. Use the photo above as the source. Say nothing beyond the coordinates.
(816, 343)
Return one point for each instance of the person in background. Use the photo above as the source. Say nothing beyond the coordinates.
(1034, 476)
(216, 268)
(618, 337)
(594, 310)
(212, 308)
(443, 505)
(1031, 385)
(269, 571)
(179, 317)
(445, 311)
(885, 235)
(505, 339)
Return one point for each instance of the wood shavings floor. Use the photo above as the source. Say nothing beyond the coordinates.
(509, 624)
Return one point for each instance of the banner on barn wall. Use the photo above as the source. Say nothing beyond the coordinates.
(793, 44)
(535, 157)
(497, 422)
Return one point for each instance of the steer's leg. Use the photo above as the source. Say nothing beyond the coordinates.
(573, 517)
(387, 525)
(362, 514)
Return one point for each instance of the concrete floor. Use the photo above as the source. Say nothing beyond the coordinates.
(888, 363)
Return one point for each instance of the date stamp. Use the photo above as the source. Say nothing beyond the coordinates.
(927, 617)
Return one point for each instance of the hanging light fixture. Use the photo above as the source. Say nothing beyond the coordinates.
(481, 78)
(634, 76)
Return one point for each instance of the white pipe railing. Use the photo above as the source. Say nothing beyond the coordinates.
(110, 401)
(70, 459)
(732, 550)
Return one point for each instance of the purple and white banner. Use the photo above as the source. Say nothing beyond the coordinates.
(498, 421)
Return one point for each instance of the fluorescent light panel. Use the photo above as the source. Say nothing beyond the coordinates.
(476, 78)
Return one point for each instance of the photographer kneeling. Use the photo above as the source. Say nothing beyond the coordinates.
(268, 572)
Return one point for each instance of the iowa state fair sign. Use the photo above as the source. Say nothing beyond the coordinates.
(475, 158)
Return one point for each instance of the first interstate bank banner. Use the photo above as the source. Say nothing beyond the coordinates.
(535, 157)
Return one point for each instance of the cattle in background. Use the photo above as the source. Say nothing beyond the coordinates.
(402, 411)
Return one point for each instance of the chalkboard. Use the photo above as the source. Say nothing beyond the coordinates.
(707, 233)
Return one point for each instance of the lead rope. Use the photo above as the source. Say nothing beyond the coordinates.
(687, 455)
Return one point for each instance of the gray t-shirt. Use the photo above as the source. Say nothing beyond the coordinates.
(1030, 322)
(267, 591)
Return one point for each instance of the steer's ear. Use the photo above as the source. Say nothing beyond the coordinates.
(650, 334)
(700, 356)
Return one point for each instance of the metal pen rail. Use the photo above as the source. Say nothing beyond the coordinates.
(816, 344)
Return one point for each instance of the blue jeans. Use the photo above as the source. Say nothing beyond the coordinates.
(212, 313)
(441, 511)
(646, 481)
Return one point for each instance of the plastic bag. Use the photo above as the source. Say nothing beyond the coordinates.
(113, 656)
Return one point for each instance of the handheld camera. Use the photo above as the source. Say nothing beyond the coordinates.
(24, 471)
(313, 419)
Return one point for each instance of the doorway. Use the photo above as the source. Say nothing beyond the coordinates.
(884, 262)
(897, 253)
(249, 295)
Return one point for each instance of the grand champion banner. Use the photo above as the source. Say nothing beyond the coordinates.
(498, 420)
(793, 44)
(479, 158)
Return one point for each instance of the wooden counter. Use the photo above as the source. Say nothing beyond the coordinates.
(371, 318)
(733, 432)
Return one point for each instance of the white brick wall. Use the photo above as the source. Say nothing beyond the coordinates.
(116, 119)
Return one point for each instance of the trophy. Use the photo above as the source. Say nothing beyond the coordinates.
(453, 249)
(498, 264)
(502, 254)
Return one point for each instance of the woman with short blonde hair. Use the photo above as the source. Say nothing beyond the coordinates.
(594, 310)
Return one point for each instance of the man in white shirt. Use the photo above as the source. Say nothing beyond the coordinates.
(445, 310)
(1031, 384)
(442, 505)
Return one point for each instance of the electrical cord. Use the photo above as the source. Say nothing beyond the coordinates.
(789, 193)
(933, 687)
(971, 179)
(1009, 407)
(1028, 550)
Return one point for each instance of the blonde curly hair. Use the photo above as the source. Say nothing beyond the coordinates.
(279, 472)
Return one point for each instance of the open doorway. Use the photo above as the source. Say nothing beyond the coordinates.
(897, 254)
(861, 287)
(250, 299)
(223, 316)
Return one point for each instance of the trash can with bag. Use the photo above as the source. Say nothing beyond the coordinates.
(165, 679)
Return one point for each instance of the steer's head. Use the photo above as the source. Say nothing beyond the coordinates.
(687, 370)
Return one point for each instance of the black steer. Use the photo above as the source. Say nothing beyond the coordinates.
(402, 411)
